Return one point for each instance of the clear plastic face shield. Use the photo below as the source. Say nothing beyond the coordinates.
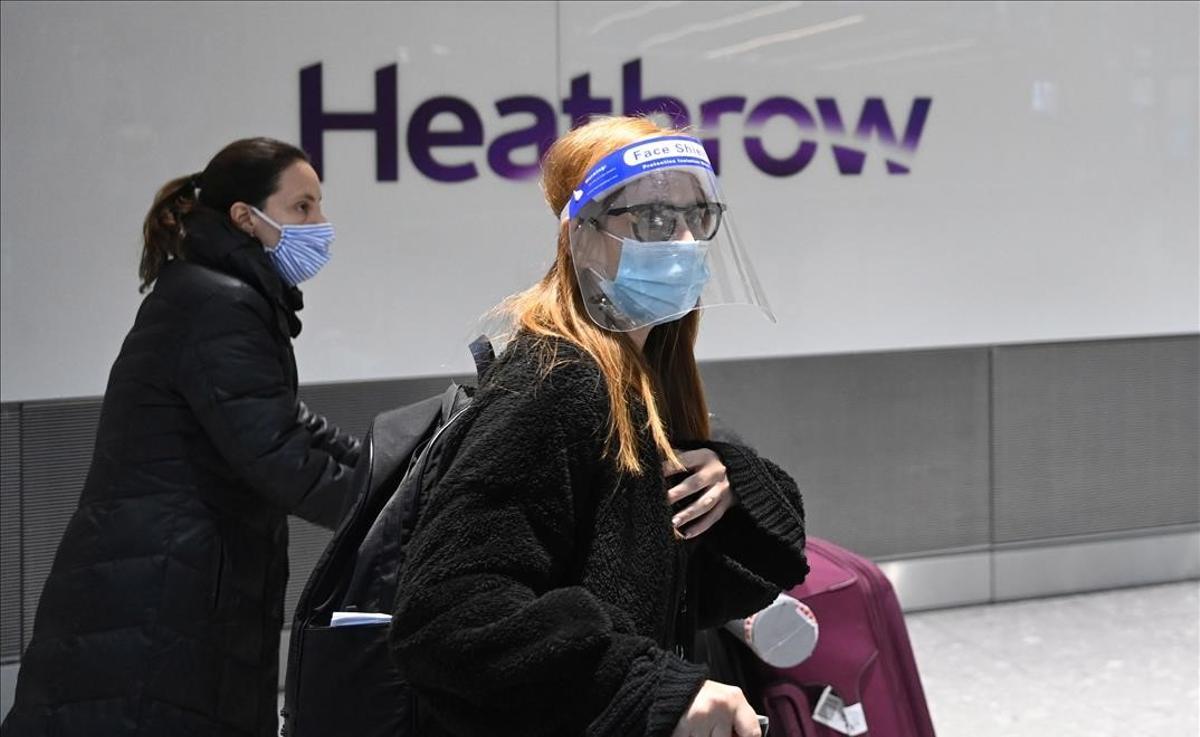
(652, 237)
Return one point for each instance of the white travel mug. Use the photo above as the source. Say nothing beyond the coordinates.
(781, 635)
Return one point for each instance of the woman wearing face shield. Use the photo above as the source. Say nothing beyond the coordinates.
(162, 612)
(585, 525)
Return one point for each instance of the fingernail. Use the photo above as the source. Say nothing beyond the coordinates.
(676, 522)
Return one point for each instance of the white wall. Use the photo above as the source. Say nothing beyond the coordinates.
(1052, 196)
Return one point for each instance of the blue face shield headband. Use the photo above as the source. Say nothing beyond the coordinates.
(650, 237)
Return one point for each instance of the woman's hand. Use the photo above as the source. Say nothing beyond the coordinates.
(718, 711)
(706, 484)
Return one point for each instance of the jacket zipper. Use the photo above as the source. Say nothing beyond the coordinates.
(216, 597)
(678, 602)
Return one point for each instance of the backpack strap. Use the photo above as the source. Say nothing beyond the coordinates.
(484, 355)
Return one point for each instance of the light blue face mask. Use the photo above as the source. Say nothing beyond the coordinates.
(658, 281)
(302, 250)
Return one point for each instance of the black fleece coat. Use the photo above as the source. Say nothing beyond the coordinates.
(544, 591)
(162, 612)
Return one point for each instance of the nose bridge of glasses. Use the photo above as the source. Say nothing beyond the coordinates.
(685, 222)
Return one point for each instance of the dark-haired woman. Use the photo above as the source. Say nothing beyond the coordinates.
(162, 613)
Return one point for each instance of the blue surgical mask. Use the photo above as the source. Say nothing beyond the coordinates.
(302, 250)
(658, 281)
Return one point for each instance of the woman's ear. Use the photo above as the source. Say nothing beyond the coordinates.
(239, 213)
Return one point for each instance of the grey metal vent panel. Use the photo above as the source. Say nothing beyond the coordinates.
(56, 450)
(10, 533)
(1095, 437)
(890, 450)
(306, 541)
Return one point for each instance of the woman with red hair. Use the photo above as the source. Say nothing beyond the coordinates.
(584, 524)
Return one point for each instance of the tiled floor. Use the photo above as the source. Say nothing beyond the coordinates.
(1121, 663)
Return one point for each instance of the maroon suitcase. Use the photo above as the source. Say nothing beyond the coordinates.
(863, 653)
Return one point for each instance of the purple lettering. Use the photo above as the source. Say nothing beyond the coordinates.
(631, 97)
(849, 160)
(710, 114)
(874, 119)
(805, 151)
(422, 140)
(314, 121)
(541, 134)
(581, 106)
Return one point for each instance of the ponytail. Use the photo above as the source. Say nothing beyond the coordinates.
(163, 229)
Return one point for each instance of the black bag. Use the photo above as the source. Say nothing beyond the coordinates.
(341, 680)
(729, 661)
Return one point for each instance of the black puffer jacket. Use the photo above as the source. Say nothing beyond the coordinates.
(544, 592)
(162, 612)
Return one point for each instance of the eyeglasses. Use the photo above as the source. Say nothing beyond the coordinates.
(659, 221)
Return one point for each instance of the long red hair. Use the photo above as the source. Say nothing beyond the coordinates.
(663, 376)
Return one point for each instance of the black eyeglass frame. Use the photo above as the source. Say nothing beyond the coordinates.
(678, 210)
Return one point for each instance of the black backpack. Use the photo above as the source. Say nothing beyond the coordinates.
(341, 680)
